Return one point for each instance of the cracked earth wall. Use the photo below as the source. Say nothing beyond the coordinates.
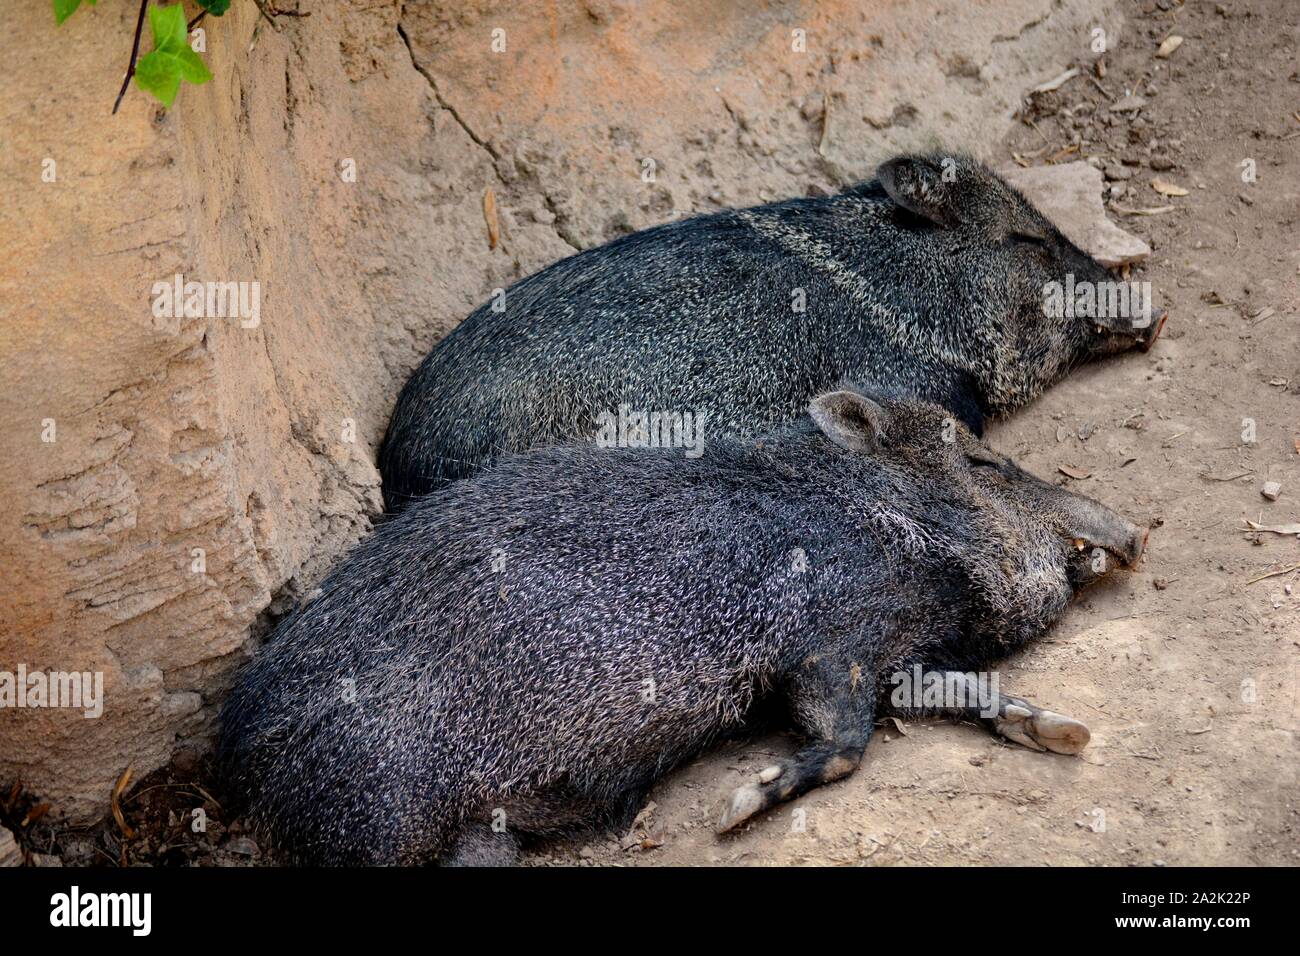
(202, 474)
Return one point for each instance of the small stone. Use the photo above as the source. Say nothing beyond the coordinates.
(243, 846)
(1161, 163)
(1271, 490)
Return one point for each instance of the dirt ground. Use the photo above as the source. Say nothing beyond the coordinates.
(1187, 669)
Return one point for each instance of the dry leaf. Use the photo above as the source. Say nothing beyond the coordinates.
(1274, 574)
(1061, 154)
(1077, 473)
(1128, 104)
(898, 725)
(1155, 211)
(1166, 188)
(643, 817)
(1274, 528)
(490, 217)
(1056, 82)
(115, 804)
(1167, 48)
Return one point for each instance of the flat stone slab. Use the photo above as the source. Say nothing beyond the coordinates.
(1070, 195)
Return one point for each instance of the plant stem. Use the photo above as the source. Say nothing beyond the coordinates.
(135, 52)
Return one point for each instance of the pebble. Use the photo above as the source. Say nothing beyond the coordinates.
(1271, 490)
(243, 846)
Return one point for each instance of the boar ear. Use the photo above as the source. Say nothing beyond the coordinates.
(923, 185)
(849, 419)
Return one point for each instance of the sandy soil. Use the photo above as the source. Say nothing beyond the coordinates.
(1187, 673)
(1187, 669)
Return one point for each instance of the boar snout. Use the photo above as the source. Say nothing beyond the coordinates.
(1154, 331)
(1120, 539)
(1111, 336)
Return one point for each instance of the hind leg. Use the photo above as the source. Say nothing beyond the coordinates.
(966, 698)
(1019, 720)
(479, 845)
(833, 699)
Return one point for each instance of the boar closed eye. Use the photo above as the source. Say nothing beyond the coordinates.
(1027, 239)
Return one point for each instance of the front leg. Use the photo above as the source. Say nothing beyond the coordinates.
(833, 699)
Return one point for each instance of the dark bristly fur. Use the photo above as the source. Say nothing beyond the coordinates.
(911, 281)
(538, 644)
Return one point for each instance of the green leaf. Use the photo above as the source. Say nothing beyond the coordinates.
(66, 8)
(215, 7)
(192, 67)
(172, 60)
(168, 26)
(159, 73)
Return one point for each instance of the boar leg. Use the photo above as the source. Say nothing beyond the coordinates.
(833, 700)
(1019, 720)
(1011, 717)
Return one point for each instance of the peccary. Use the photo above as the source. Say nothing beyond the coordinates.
(930, 278)
(527, 651)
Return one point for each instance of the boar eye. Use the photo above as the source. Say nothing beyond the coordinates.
(1028, 239)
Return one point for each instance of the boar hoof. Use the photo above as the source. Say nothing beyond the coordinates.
(744, 803)
(1043, 729)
